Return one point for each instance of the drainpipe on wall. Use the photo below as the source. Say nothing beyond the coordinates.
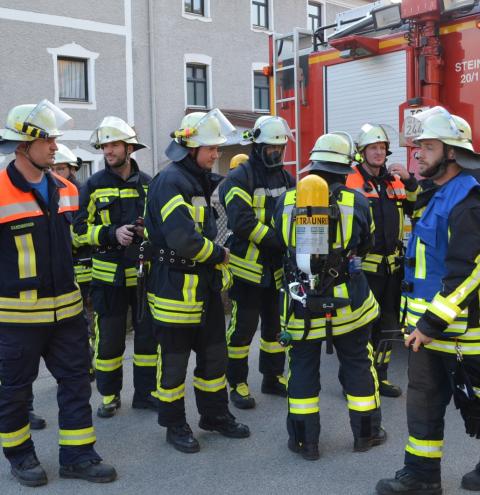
(153, 102)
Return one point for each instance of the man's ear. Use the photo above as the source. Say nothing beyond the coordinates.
(451, 153)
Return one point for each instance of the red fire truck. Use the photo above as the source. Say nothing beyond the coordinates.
(383, 62)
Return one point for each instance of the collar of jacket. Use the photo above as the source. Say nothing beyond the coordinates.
(134, 176)
(203, 175)
(19, 181)
(383, 175)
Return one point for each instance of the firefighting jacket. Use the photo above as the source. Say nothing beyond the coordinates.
(442, 267)
(249, 195)
(354, 235)
(181, 225)
(390, 199)
(37, 285)
(107, 202)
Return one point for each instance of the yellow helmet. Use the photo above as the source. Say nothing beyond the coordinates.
(439, 123)
(30, 122)
(113, 129)
(370, 134)
(333, 152)
(237, 160)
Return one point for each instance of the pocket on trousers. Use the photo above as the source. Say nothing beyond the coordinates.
(8, 355)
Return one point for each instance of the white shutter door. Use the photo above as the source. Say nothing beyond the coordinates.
(367, 90)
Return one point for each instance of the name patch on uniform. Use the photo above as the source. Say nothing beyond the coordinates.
(20, 226)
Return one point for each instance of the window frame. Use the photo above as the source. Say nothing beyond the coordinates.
(321, 10)
(192, 12)
(257, 69)
(199, 60)
(75, 51)
(205, 17)
(85, 67)
(257, 5)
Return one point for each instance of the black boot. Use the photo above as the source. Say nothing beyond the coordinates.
(388, 389)
(109, 406)
(181, 437)
(225, 425)
(148, 402)
(405, 484)
(94, 471)
(274, 385)
(308, 451)
(471, 480)
(362, 444)
(36, 421)
(240, 396)
(29, 472)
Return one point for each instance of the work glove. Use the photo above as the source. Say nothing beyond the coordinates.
(465, 398)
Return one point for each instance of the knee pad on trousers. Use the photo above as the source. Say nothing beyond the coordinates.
(214, 361)
(174, 369)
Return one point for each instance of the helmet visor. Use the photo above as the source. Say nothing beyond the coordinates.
(213, 129)
(44, 121)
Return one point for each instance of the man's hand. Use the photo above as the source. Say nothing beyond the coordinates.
(400, 170)
(124, 235)
(227, 256)
(140, 231)
(416, 339)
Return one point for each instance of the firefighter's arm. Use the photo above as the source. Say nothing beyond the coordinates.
(85, 230)
(241, 216)
(178, 228)
(462, 280)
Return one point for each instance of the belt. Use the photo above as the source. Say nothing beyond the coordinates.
(108, 249)
(170, 258)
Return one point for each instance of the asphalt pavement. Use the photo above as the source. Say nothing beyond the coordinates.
(261, 464)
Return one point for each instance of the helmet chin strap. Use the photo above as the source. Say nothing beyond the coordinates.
(29, 158)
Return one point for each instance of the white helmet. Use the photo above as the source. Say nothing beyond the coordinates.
(269, 129)
(370, 134)
(438, 123)
(113, 129)
(65, 155)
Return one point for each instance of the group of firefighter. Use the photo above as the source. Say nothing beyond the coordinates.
(320, 261)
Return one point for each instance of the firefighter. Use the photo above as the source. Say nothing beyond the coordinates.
(41, 306)
(188, 273)
(67, 165)
(249, 194)
(110, 219)
(440, 293)
(332, 304)
(391, 193)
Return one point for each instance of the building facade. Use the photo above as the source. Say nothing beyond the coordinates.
(147, 61)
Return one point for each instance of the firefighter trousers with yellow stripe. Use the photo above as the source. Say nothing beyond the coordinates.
(64, 348)
(249, 303)
(357, 376)
(430, 389)
(209, 382)
(111, 308)
(386, 289)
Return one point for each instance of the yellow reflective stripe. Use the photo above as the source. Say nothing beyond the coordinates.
(252, 254)
(105, 217)
(233, 322)
(145, 360)
(367, 403)
(444, 309)
(345, 204)
(173, 311)
(83, 436)
(470, 284)
(92, 236)
(69, 311)
(412, 195)
(130, 276)
(104, 265)
(466, 348)
(205, 252)
(374, 258)
(15, 438)
(27, 262)
(170, 394)
(258, 233)
(425, 448)
(109, 364)
(237, 191)
(278, 275)
(420, 268)
(170, 206)
(174, 304)
(304, 406)
(197, 213)
(103, 270)
(210, 385)
(189, 290)
(342, 291)
(238, 352)
(103, 193)
(369, 267)
(271, 347)
(129, 193)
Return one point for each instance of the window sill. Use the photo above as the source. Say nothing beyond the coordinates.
(259, 29)
(196, 17)
(264, 111)
(86, 105)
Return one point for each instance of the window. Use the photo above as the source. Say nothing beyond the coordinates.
(72, 79)
(196, 85)
(260, 13)
(261, 92)
(85, 171)
(74, 76)
(195, 7)
(314, 15)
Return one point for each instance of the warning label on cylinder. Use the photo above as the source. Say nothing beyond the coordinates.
(312, 234)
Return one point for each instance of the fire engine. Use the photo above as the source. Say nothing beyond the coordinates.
(380, 63)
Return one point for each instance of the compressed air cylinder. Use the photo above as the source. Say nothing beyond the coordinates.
(311, 222)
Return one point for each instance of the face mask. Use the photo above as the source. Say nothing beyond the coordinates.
(274, 159)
